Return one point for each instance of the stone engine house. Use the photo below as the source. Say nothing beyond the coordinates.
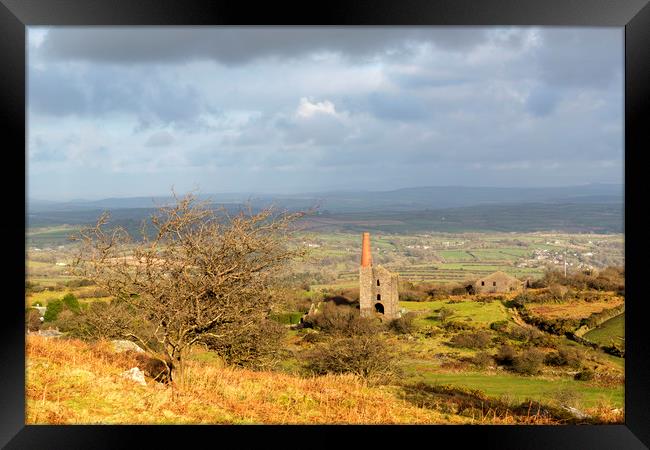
(378, 287)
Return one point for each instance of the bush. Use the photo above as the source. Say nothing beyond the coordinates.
(258, 348)
(287, 318)
(499, 325)
(454, 325)
(585, 374)
(79, 283)
(478, 339)
(343, 320)
(482, 360)
(565, 356)
(54, 307)
(528, 362)
(33, 319)
(71, 303)
(404, 324)
(445, 313)
(458, 290)
(366, 356)
(506, 355)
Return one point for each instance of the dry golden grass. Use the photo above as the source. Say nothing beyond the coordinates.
(574, 309)
(73, 382)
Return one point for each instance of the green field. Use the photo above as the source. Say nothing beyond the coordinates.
(611, 331)
(478, 312)
(522, 388)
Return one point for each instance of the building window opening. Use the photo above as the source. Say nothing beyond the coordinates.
(494, 283)
(378, 297)
(482, 283)
(377, 282)
(379, 308)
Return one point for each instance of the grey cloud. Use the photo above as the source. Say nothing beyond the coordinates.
(542, 101)
(401, 107)
(319, 129)
(579, 57)
(159, 139)
(54, 92)
(99, 91)
(237, 45)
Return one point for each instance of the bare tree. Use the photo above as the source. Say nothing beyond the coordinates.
(196, 275)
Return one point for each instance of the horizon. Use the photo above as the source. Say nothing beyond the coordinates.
(293, 194)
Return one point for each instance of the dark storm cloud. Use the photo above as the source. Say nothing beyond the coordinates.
(238, 45)
(96, 92)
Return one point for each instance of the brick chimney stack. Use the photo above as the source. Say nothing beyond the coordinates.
(366, 257)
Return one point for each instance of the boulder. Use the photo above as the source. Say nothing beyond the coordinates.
(123, 345)
(134, 374)
(575, 412)
(50, 333)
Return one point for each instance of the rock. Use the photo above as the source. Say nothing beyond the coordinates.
(134, 374)
(123, 345)
(575, 412)
(49, 333)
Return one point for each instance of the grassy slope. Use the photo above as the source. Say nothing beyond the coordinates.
(72, 382)
(611, 330)
(521, 388)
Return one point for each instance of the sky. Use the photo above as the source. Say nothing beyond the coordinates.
(135, 111)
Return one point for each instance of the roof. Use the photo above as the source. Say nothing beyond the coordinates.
(500, 276)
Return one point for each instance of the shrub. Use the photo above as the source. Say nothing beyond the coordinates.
(445, 313)
(478, 339)
(585, 374)
(344, 320)
(528, 362)
(458, 290)
(482, 360)
(54, 307)
(565, 356)
(66, 320)
(568, 397)
(33, 319)
(506, 355)
(287, 318)
(260, 347)
(404, 324)
(80, 282)
(454, 325)
(366, 356)
(70, 302)
(499, 325)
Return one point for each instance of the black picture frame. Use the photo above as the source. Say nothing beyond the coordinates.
(633, 15)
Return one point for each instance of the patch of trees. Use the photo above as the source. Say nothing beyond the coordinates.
(424, 292)
(611, 278)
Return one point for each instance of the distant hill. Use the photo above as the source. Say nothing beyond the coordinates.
(591, 208)
(408, 199)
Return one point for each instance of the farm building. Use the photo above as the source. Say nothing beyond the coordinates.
(497, 282)
(377, 286)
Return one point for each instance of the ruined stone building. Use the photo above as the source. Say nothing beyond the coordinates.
(497, 282)
(378, 287)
